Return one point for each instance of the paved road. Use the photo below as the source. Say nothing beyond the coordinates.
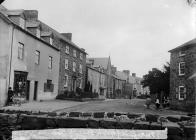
(109, 105)
(118, 105)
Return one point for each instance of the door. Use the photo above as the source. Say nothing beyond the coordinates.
(20, 83)
(35, 91)
(28, 89)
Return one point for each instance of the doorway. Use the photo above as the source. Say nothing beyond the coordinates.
(35, 90)
(28, 90)
(20, 83)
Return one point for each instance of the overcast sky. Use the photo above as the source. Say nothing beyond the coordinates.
(137, 34)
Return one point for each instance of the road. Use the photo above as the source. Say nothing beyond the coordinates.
(117, 105)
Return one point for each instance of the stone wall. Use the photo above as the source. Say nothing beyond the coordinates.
(69, 71)
(179, 127)
(176, 80)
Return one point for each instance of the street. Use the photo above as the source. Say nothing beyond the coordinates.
(118, 105)
(109, 105)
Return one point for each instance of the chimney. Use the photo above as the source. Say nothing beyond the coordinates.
(31, 15)
(114, 69)
(82, 49)
(67, 35)
(127, 72)
(134, 74)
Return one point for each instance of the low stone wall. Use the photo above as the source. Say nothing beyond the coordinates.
(179, 127)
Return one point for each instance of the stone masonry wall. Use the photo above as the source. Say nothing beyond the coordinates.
(71, 59)
(179, 127)
(176, 80)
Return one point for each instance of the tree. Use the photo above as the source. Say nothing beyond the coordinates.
(158, 80)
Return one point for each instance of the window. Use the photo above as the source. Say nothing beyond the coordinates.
(20, 51)
(182, 92)
(50, 62)
(81, 56)
(66, 80)
(67, 49)
(37, 57)
(80, 68)
(74, 53)
(181, 68)
(74, 66)
(80, 83)
(48, 86)
(38, 33)
(51, 41)
(182, 53)
(21, 22)
(66, 63)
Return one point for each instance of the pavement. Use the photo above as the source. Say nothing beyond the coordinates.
(47, 106)
(109, 105)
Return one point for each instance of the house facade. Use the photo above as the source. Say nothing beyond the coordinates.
(118, 84)
(136, 86)
(72, 65)
(105, 63)
(96, 80)
(29, 64)
(127, 87)
(182, 76)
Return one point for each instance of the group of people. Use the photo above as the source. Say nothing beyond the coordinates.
(165, 102)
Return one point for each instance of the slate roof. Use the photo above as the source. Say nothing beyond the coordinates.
(8, 20)
(49, 33)
(32, 24)
(60, 36)
(189, 43)
(100, 61)
(121, 75)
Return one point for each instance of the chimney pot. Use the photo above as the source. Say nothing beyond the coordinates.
(134, 74)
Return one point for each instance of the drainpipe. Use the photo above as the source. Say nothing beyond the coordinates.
(11, 54)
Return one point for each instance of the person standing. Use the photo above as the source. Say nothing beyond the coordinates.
(10, 96)
(157, 103)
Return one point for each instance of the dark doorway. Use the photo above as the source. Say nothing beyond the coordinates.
(28, 89)
(35, 91)
(20, 83)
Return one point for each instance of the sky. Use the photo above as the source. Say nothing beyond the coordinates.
(136, 34)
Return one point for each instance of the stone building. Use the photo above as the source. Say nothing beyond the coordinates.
(96, 80)
(118, 83)
(72, 65)
(29, 63)
(106, 64)
(124, 76)
(182, 76)
(136, 86)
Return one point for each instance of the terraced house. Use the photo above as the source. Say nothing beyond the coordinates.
(183, 76)
(29, 61)
(72, 65)
(37, 61)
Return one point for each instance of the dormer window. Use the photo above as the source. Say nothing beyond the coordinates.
(21, 22)
(38, 33)
(51, 41)
(182, 53)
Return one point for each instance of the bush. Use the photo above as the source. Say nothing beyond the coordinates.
(77, 95)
